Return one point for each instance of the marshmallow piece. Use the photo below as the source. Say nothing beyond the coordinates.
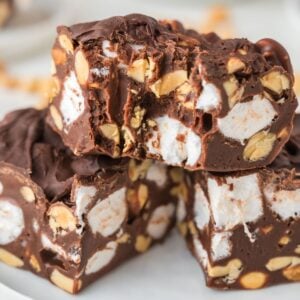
(11, 221)
(83, 197)
(107, 215)
(235, 202)
(175, 142)
(106, 45)
(72, 102)
(101, 72)
(201, 208)
(101, 258)
(221, 245)
(247, 118)
(283, 202)
(157, 173)
(48, 244)
(209, 98)
(160, 220)
(180, 210)
(1, 188)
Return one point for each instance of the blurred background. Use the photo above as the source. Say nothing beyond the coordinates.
(28, 28)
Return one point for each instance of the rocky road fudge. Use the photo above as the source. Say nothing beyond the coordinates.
(244, 228)
(72, 219)
(133, 86)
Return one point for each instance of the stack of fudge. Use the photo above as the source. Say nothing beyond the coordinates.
(152, 125)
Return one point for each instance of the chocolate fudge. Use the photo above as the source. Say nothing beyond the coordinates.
(6, 11)
(71, 219)
(244, 228)
(136, 87)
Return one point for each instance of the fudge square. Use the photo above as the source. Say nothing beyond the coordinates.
(72, 219)
(244, 228)
(133, 86)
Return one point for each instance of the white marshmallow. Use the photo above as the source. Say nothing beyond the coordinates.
(201, 208)
(167, 142)
(104, 71)
(247, 118)
(11, 222)
(72, 102)
(106, 45)
(123, 67)
(157, 173)
(101, 258)
(221, 245)
(180, 210)
(284, 203)
(210, 97)
(137, 47)
(107, 215)
(200, 252)
(235, 202)
(83, 197)
(160, 220)
(35, 226)
(49, 245)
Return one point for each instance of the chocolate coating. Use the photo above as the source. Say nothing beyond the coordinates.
(276, 53)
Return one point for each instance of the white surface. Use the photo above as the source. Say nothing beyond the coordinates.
(168, 271)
